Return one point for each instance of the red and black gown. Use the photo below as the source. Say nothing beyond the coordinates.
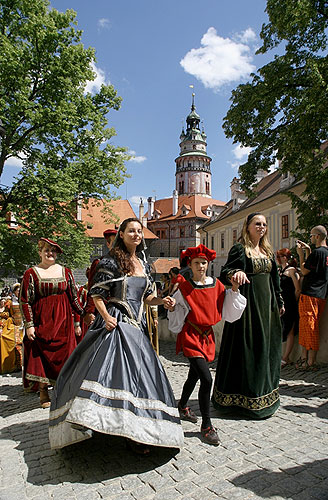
(48, 305)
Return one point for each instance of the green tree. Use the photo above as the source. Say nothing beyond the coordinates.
(58, 130)
(282, 112)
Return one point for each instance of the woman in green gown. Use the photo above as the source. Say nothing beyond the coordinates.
(248, 370)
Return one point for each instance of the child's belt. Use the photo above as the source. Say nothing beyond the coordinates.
(198, 329)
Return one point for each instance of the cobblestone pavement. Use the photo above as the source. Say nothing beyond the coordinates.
(284, 457)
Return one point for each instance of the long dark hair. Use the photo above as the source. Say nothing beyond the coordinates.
(119, 250)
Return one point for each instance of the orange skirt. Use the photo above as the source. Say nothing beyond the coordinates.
(310, 310)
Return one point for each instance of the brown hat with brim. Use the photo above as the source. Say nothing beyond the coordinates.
(53, 244)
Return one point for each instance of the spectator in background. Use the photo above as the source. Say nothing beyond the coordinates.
(314, 268)
(291, 289)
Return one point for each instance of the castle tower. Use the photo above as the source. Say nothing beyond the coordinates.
(193, 166)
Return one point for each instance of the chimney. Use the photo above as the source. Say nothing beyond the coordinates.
(79, 208)
(151, 203)
(141, 210)
(175, 202)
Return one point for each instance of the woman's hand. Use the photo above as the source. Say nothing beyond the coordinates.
(169, 303)
(30, 332)
(239, 278)
(282, 310)
(88, 319)
(110, 322)
(78, 331)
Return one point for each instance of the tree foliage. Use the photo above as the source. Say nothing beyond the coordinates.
(282, 113)
(58, 130)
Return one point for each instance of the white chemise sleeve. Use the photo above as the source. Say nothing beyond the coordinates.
(177, 317)
(233, 305)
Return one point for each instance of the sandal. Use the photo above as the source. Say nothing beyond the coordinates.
(301, 364)
(313, 368)
(44, 398)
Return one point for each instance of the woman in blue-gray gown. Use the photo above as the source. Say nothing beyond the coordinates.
(114, 383)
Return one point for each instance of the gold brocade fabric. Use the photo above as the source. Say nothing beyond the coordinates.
(258, 403)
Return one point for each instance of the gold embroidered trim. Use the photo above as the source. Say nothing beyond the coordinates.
(261, 265)
(242, 401)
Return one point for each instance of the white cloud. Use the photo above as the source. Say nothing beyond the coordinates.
(103, 23)
(13, 161)
(220, 60)
(135, 200)
(135, 158)
(95, 85)
(246, 36)
(240, 151)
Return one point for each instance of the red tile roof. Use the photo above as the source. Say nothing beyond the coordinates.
(164, 265)
(195, 202)
(99, 215)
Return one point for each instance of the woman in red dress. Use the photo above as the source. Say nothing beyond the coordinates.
(48, 298)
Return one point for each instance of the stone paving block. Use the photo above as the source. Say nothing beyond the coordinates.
(161, 483)
(168, 494)
(12, 494)
(122, 496)
(143, 492)
(219, 487)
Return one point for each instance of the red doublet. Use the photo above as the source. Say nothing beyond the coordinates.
(196, 338)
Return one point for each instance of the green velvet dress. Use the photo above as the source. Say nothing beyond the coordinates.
(248, 370)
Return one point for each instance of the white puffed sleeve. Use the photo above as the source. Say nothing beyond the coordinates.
(233, 305)
(177, 317)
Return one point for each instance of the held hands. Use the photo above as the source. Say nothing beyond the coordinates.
(239, 278)
(169, 303)
(30, 332)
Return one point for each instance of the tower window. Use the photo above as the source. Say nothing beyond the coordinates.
(207, 187)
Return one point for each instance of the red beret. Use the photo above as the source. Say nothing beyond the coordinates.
(53, 244)
(196, 252)
(109, 232)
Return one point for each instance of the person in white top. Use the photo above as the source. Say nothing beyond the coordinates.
(200, 303)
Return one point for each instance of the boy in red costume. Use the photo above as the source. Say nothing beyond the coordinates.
(201, 302)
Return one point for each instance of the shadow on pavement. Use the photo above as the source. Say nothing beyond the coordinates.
(321, 411)
(288, 483)
(15, 395)
(97, 459)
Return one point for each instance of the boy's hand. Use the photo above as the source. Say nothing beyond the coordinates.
(169, 303)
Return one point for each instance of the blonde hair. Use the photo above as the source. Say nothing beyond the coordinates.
(246, 241)
(42, 244)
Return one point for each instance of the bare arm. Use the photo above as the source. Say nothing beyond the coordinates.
(110, 321)
(303, 251)
(296, 280)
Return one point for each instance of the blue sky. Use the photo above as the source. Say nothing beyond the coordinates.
(152, 52)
